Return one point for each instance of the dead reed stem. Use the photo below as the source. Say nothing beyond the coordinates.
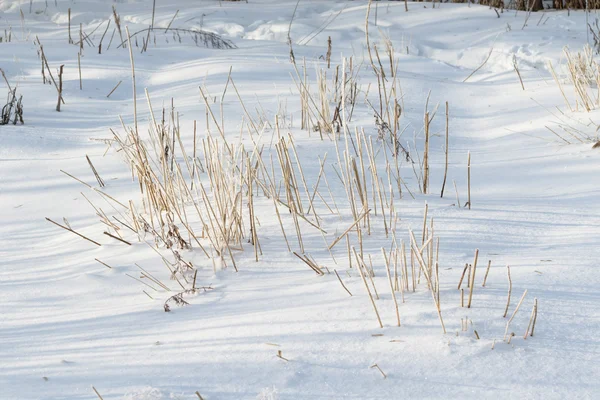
(102, 38)
(336, 241)
(100, 181)
(60, 85)
(535, 312)
(469, 180)
(70, 39)
(456, 190)
(424, 223)
(79, 67)
(115, 88)
(382, 373)
(482, 64)
(103, 263)
(472, 284)
(311, 264)
(487, 271)
(509, 291)
(342, 283)
(170, 22)
(72, 231)
(516, 67)
(362, 275)
(514, 313)
(446, 151)
(117, 238)
(427, 276)
(97, 394)
(153, 13)
(463, 275)
(132, 80)
(426, 155)
(387, 268)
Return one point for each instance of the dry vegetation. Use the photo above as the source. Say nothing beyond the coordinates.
(582, 76)
(211, 198)
(12, 111)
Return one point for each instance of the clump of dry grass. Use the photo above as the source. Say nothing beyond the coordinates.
(330, 108)
(583, 73)
(12, 111)
(209, 199)
(7, 36)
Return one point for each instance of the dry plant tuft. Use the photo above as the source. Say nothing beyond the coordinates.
(12, 111)
(583, 73)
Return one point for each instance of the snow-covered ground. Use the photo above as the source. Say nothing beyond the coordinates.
(68, 323)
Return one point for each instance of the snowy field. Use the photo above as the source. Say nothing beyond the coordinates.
(233, 170)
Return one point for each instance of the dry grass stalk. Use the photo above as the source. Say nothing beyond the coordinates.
(95, 391)
(369, 273)
(405, 265)
(46, 67)
(100, 181)
(516, 67)
(472, 279)
(117, 238)
(79, 68)
(60, 87)
(69, 16)
(469, 179)
(560, 87)
(533, 314)
(424, 223)
(482, 64)
(342, 283)
(487, 271)
(382, 373)
(252, 216)
(310, 263)
(103, 263)
(115, 88)
(514, 313)
(132, 78)
(72, 231)
(102, 38)
(462, 276)
(362, 275)
(357, 221)
(456, 190)
(437, 281)
(328, 55)
(146, 274)
(509, 291)
(426, 155)
(446, 151)
(387, 268)
(117, 20)
(427, 276)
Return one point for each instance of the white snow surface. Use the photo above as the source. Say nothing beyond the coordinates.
(68, 323)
